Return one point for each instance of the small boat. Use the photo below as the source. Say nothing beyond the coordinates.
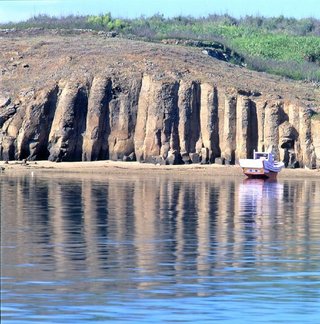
(262, 165)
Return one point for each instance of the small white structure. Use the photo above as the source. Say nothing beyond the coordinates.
(262, 165)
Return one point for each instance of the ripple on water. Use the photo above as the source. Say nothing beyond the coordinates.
(160, 249)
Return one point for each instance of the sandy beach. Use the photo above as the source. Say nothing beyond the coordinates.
(136, 168)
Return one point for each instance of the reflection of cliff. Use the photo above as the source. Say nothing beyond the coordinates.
(143, 226)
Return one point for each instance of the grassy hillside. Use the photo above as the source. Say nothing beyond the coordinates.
(278, 45)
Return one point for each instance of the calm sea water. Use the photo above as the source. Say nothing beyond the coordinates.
(159, 249)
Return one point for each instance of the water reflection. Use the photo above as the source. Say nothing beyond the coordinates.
(112, 242)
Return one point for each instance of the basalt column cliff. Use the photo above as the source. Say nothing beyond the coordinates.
(125, 100)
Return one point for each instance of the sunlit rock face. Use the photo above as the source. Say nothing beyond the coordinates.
(151, 120)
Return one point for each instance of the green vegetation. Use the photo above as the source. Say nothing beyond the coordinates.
(105, 22)
(283, 46)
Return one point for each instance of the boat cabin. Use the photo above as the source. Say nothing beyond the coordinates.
(262, 156)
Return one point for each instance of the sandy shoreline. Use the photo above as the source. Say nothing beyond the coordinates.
(136, 168)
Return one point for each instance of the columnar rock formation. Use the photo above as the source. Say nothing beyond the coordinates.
(162, 121)
(83, 97)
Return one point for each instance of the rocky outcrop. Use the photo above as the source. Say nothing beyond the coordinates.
(315, 131)
(66, 135)
(32, 135)
(160, 121)
(97, 120)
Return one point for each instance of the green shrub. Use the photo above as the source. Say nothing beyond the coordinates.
(105, 22)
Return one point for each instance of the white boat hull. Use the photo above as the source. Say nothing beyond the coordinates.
(261, 167)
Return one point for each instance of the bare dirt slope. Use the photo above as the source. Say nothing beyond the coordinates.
(32, 59)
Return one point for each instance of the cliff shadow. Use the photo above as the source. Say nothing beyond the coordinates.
(193, 119)
(252, 143)
(42, 152)
(100, 148)
(215, 137)
(80, 121)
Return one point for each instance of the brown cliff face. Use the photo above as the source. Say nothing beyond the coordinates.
(143, 105)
